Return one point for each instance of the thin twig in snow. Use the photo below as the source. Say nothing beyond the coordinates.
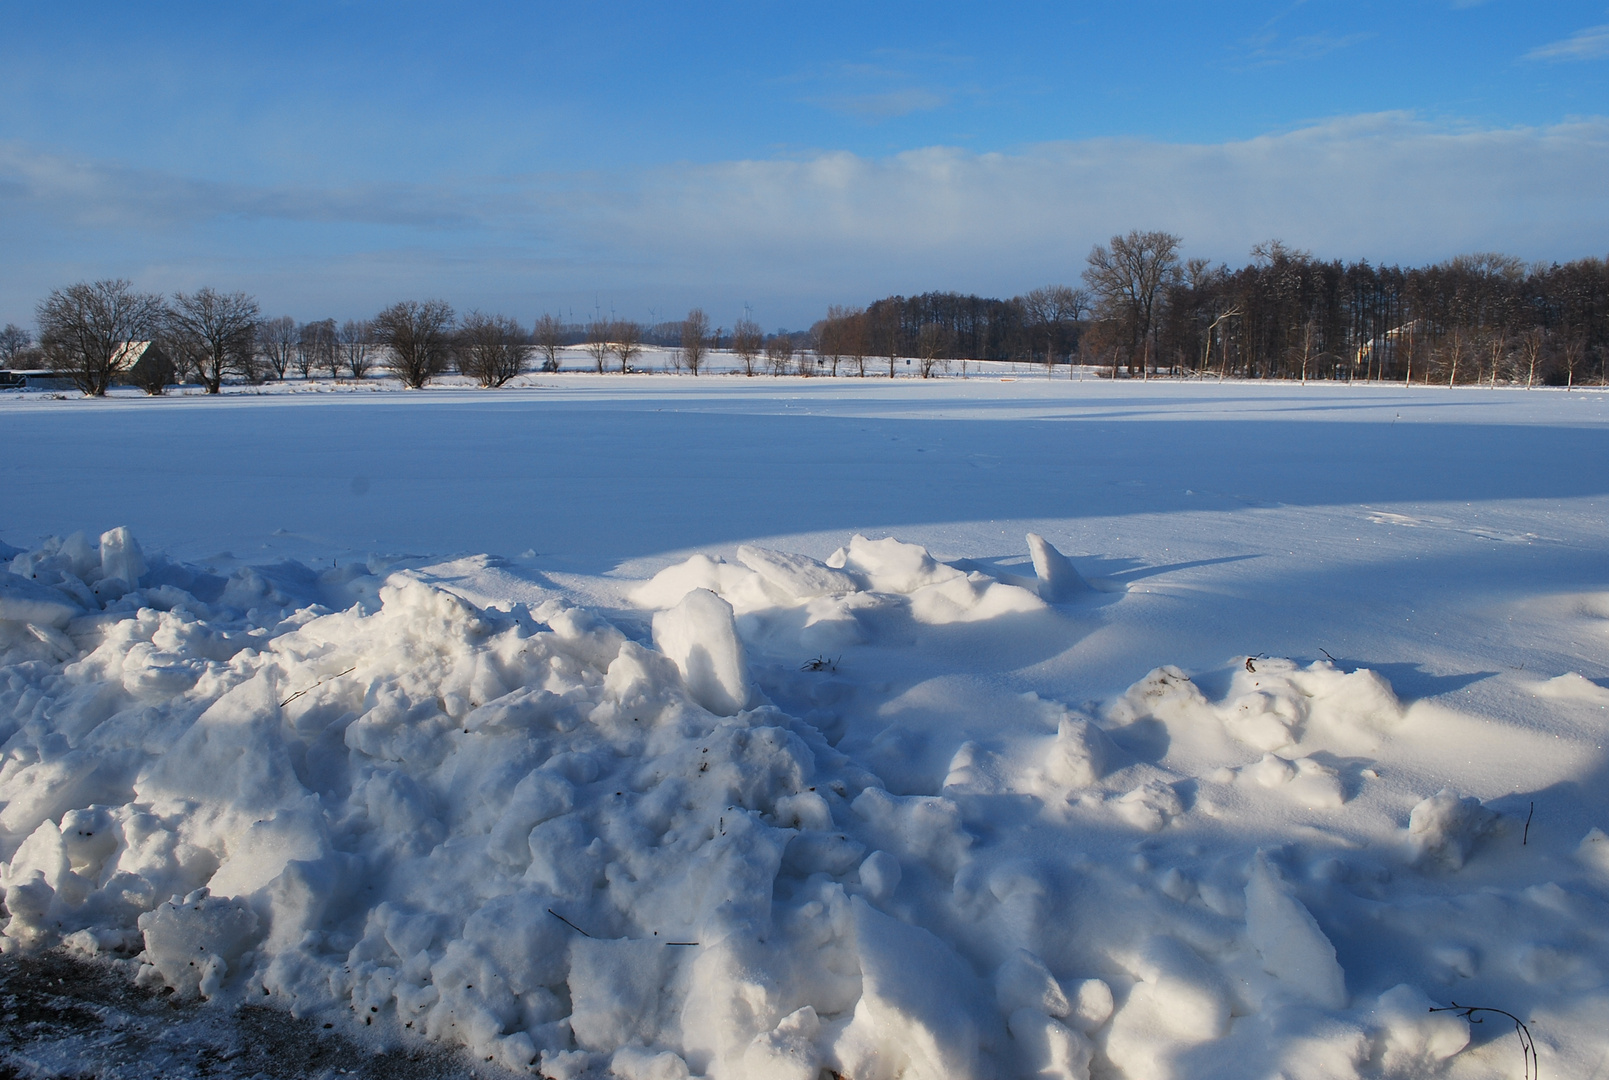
(568, 923)
(316, 685)
(1533, 1065)
(584, 934)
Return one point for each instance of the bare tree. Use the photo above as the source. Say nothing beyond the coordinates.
(1533, 346)
(276, 341)
(549, 336)
(625, 341)
(218, 331)
(316, 348)
(1212, 333)
(85, 330)
(1052, 309)
(330, 348)
(1128, 280)
(883, 331)
(306, 358)
(1304, 351)
(856, 338)
(13, 340)
(1497, 349)
(597, 345)
(353, 341)
(779, 354)
(695, 339)
(747, 341)
(807, 355)
(932, 347)
(831, 337)
(416, 338)
(1573, 352)
(491, 348)
(1457, 347)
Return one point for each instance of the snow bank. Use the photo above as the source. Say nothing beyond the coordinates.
(658, 849)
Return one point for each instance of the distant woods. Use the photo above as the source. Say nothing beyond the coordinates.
(1141, 310)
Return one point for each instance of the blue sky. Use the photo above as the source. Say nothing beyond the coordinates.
(333, 157)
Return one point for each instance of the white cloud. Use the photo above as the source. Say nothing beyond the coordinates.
(1383, 186)
(1588, 44)
(793, 235)
(92, 194)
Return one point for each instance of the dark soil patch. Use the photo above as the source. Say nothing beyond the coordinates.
(65, 1018)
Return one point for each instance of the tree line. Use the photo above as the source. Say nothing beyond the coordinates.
(1483, 318)
(95, 334)
(1144, 310)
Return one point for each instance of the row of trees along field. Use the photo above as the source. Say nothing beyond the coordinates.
(92, 333)
(1144, 310)
(95, 334)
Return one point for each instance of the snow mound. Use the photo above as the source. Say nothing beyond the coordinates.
(519, 831)
(1444, 829)
(1573, 686)
(657, 846)
(796, 577)
(1273, 705)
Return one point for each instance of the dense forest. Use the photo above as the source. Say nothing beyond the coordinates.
(1144, 311)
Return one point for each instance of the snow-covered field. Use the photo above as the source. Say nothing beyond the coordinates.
(739, 728)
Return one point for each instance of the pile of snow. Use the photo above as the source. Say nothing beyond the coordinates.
(655, 847)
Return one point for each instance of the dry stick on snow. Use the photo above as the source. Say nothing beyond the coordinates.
(584, 934)
(568, 923)
(1526, 838)
(316, 685)
(1533, 1065)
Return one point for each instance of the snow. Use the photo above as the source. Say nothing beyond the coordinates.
(929, 730)
(1059, 580)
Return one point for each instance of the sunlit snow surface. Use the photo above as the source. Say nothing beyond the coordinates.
(602, 727)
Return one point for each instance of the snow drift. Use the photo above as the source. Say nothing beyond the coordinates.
(656, 848)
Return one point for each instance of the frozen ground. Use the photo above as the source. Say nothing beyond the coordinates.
(463, 706)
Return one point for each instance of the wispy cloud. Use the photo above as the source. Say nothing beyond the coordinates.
(893, 83)
(89, 194)
(1268, 49)
(793, 235)
(1588, 44)
(887, 104)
